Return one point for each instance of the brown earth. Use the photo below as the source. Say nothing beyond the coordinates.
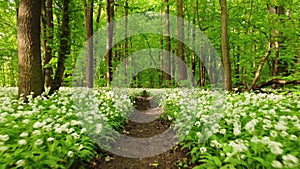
(144, 123)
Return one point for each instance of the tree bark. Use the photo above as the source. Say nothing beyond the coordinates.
(202, 60)
(98, 14)
(126, 42)
(64, 48)
(278, 10)
(168, 43)
(224, 47)
(277, 82)
(29, 52)
(88, 18)
(182, 72)
(48, 42)
(257, 74)
(109, 38)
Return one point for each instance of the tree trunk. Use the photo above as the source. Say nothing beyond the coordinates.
(202, 57)
(109, 38)
(224, 47)
(48, 41)
(257, 74)
(278, 10)
(64, 48)
(126, 41)
(182, 72)
(276, 81)
(160, 57)
(29, 51)
(98, 14)
(88, 18)
(168, 44)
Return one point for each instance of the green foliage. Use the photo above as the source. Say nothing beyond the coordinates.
(249, 131)
(49, 132)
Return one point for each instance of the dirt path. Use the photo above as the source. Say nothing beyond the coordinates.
(144, 123)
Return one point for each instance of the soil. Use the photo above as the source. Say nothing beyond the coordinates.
(144, 122)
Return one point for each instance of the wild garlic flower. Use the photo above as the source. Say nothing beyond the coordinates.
(290, 161)
(4, 137)
(38, 142)
(24, 134)
(22, 142)
(20, 163)
(276, 164)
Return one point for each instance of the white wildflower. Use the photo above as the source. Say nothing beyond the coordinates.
(290, 160)
(70, 153)
(58, 130)
(20, 163)
(98, 128)
(203, 149)
(36, 132)
(236, 131)
(24, 134)
(254, 139)
(37, 125)
(22, 142)
(276, 150)
(3, 148)
(215, 143)
(26, 121)
(238, 147)
(70, 130)
(83, 130)
(4, 137)
(222, 131)
(50, 139)
(281, 125)
(293, 137)
(273, 134)
(80, 147)
(75, 135)
(38, 142)
(276, 164)
(284, 133)
(198, 123)
(250, 126)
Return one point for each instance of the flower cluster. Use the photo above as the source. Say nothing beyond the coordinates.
(49, 132)
(261, 129)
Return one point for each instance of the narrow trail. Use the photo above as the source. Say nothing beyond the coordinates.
(144, 123)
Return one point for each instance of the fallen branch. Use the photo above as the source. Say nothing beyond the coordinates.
(257, 74)
(276, 81)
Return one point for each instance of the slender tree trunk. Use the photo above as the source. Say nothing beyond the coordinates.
(64, 48)
(88, 18)
(168, 44)
(109, 38)
(277, 10)
(224, 46)
(201, 61)
(202, 67)
(98, 14)
(173, 67)
(48, 42)
(182, 72)
(257, 74)
(126, 41)
(194, 16)
(29, 51)
(160, 56)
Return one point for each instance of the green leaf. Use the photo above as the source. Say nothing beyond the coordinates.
(217, 161)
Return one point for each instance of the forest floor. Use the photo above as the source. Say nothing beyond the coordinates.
(151, 125)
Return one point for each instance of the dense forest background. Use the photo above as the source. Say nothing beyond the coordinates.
(263, 40)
